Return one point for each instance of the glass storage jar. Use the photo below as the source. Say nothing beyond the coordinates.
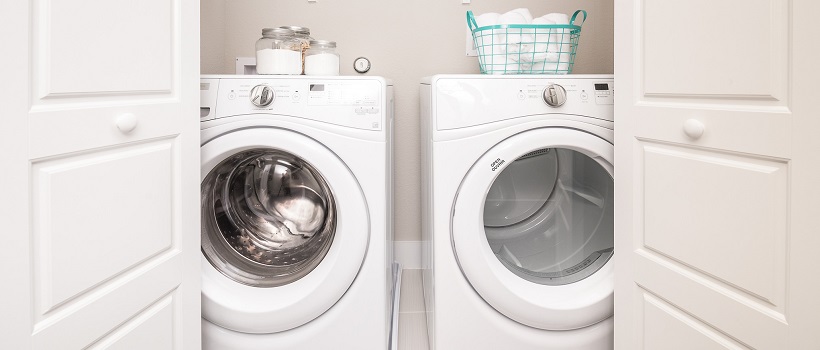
(321, 58)
(278, 52)
(303, 34)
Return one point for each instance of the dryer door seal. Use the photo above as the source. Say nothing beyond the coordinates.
(532, 228)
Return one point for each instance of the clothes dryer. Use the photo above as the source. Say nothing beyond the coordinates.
(296, 212)
(518, 211)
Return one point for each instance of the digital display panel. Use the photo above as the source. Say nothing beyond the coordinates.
(317, 87)
(599, 87)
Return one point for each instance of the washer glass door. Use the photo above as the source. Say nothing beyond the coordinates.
(285, 229)
(269, 217)
(548, 216)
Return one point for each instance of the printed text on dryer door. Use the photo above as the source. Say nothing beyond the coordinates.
(497, 163)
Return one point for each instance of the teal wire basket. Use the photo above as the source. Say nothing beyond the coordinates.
(527, 48)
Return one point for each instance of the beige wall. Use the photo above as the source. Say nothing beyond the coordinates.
(404, 40)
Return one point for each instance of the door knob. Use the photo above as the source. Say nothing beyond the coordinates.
(693, 128)
(555, 95)
(126, 122)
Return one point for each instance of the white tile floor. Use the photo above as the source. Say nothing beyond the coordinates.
(412, 317)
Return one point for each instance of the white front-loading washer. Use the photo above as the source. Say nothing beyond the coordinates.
(517, 178)
(296, 212)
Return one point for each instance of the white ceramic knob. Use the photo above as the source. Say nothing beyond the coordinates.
(693, 128)
(126, 122)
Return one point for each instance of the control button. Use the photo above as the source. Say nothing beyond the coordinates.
(232, 95)
(262, 95)
(296, 97)
(554, 95)
(360, 110)
(372, 110)
(521, 95)
(584, 96)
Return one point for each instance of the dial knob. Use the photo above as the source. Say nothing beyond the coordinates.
(555, 95)
(262, 95)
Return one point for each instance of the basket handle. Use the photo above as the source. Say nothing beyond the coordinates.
(471, 20)
(572, 21)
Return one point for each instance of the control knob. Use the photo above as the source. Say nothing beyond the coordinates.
(262, 95)
(555, 95)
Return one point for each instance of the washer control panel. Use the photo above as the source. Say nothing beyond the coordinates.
(357, 103)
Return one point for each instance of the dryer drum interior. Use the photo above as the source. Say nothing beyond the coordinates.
(548, 216)
(268, 217)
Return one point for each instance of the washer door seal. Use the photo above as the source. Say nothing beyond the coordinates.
(575, 289)
(249, 308)
(268, 217)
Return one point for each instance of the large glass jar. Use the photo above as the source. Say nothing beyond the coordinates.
(303, 34)
(321, 58)
(278, 52)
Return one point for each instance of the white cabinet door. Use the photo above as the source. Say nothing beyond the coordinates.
(717, 174)
(99, 147)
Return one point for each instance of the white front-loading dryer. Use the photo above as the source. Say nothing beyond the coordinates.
(518, 211)
(296, 212)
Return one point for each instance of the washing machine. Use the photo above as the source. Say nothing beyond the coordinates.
(517, 178)
(296, 212)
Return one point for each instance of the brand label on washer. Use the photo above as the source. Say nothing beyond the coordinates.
(342, 94)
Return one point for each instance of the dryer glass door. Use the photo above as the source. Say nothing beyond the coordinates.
(268, 217)
(532, 228)
(548, 216)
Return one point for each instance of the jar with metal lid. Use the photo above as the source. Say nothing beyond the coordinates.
(321, 58)
(278, 52)
(303, 34)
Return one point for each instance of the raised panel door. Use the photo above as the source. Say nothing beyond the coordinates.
(715, 175)
(102, 157)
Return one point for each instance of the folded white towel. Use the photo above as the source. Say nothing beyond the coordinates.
(512, 66)
(511, 36)
(517, 16)
(525, 13)
(522, 53)
(557, 18)
(545, 49)
(559, 36)
(487, 19)
(550, 67)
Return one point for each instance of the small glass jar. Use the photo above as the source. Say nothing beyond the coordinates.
(278, 52)
(321, 58)
(303, 34)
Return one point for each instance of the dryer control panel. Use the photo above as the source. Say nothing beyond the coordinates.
(469, 100)
(357, 103)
